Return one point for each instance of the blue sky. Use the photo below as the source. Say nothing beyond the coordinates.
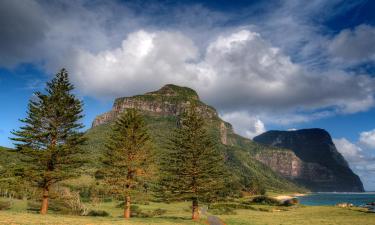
(263, 64)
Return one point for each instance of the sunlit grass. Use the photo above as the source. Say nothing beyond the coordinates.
(179, 213)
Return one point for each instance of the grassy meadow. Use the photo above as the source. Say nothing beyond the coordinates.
(179, 213)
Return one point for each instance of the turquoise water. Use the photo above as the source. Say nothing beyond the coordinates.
(334, 198)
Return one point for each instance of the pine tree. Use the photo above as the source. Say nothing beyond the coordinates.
(51, 136)
(192, 168)
(128, 158)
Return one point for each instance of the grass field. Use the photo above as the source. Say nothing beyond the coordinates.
(178, 213)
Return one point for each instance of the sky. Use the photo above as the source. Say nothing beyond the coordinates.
(264, 65)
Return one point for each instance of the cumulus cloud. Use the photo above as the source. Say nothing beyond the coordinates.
(350, 151)
(144, 61)
(360, 159)
(245, 124)
(238, 71)
(367, 138)
(354, 45)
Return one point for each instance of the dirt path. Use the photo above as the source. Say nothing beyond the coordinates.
(211, 219)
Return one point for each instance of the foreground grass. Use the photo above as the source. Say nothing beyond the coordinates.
(178, 213)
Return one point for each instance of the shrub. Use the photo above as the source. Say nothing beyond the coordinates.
(137, 212)
(63, 201)
(228, 208)
(223, 211)
(159, 212)
(4, 205)
(72, 201)
(291, 202)
(107, 200)
(98, 213)
(266, 200)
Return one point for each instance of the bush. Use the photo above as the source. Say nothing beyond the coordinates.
(137, 212)
(4, 205)
(291, 202)
(266, 200)
(228, 208)
(159, 212)
(223, 211)
(98, 213)
(63, 201)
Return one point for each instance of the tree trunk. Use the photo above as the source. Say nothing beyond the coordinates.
(195, 212)
(44, 208)
(127, 207)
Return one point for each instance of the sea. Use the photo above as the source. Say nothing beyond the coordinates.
(332, 198)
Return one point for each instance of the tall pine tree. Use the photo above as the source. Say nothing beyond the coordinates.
(192, 168)
(128, 158)
(51, 136)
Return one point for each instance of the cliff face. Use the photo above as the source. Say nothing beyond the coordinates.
(314, 163)
(170, 100)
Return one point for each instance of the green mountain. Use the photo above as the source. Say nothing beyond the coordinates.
(161, 109)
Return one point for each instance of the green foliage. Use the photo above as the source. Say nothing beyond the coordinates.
(192, 168)
(101, 213)
(265, 200)
(50, 138)
(290, 202)
(4, 205)
(228, 208)
(128, 157)
(136, 211)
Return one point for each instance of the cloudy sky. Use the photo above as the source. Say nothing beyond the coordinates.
(263, 64)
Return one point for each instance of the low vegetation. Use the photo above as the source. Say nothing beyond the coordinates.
(179, 214)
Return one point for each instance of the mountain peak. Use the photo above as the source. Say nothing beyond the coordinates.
(175, 91)
(170, 100)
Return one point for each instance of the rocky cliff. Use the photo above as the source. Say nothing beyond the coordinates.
(314, 162)
(170, 100)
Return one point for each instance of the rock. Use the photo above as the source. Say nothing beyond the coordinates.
(315, 162)
(344, 205)
(291, 202)
(170, 100)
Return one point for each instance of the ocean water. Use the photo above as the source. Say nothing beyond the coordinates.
(356, 199)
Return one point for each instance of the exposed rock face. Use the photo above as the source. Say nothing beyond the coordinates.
(290, 166)
(223, 133)
(316, 163)
(170, 100)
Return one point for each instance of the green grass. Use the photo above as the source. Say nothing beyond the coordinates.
(179, 213)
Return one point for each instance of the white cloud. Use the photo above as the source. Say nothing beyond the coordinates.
(145, 61)
(360, 159)
(350, 151)
(238, 71)
(354, 45)
(245, 124)
(367, 138)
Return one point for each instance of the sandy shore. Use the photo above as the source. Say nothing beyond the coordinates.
(286, 197)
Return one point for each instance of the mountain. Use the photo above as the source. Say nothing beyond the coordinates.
(315, 164)
(161, 109)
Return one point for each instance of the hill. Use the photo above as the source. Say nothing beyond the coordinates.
(161, 109)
